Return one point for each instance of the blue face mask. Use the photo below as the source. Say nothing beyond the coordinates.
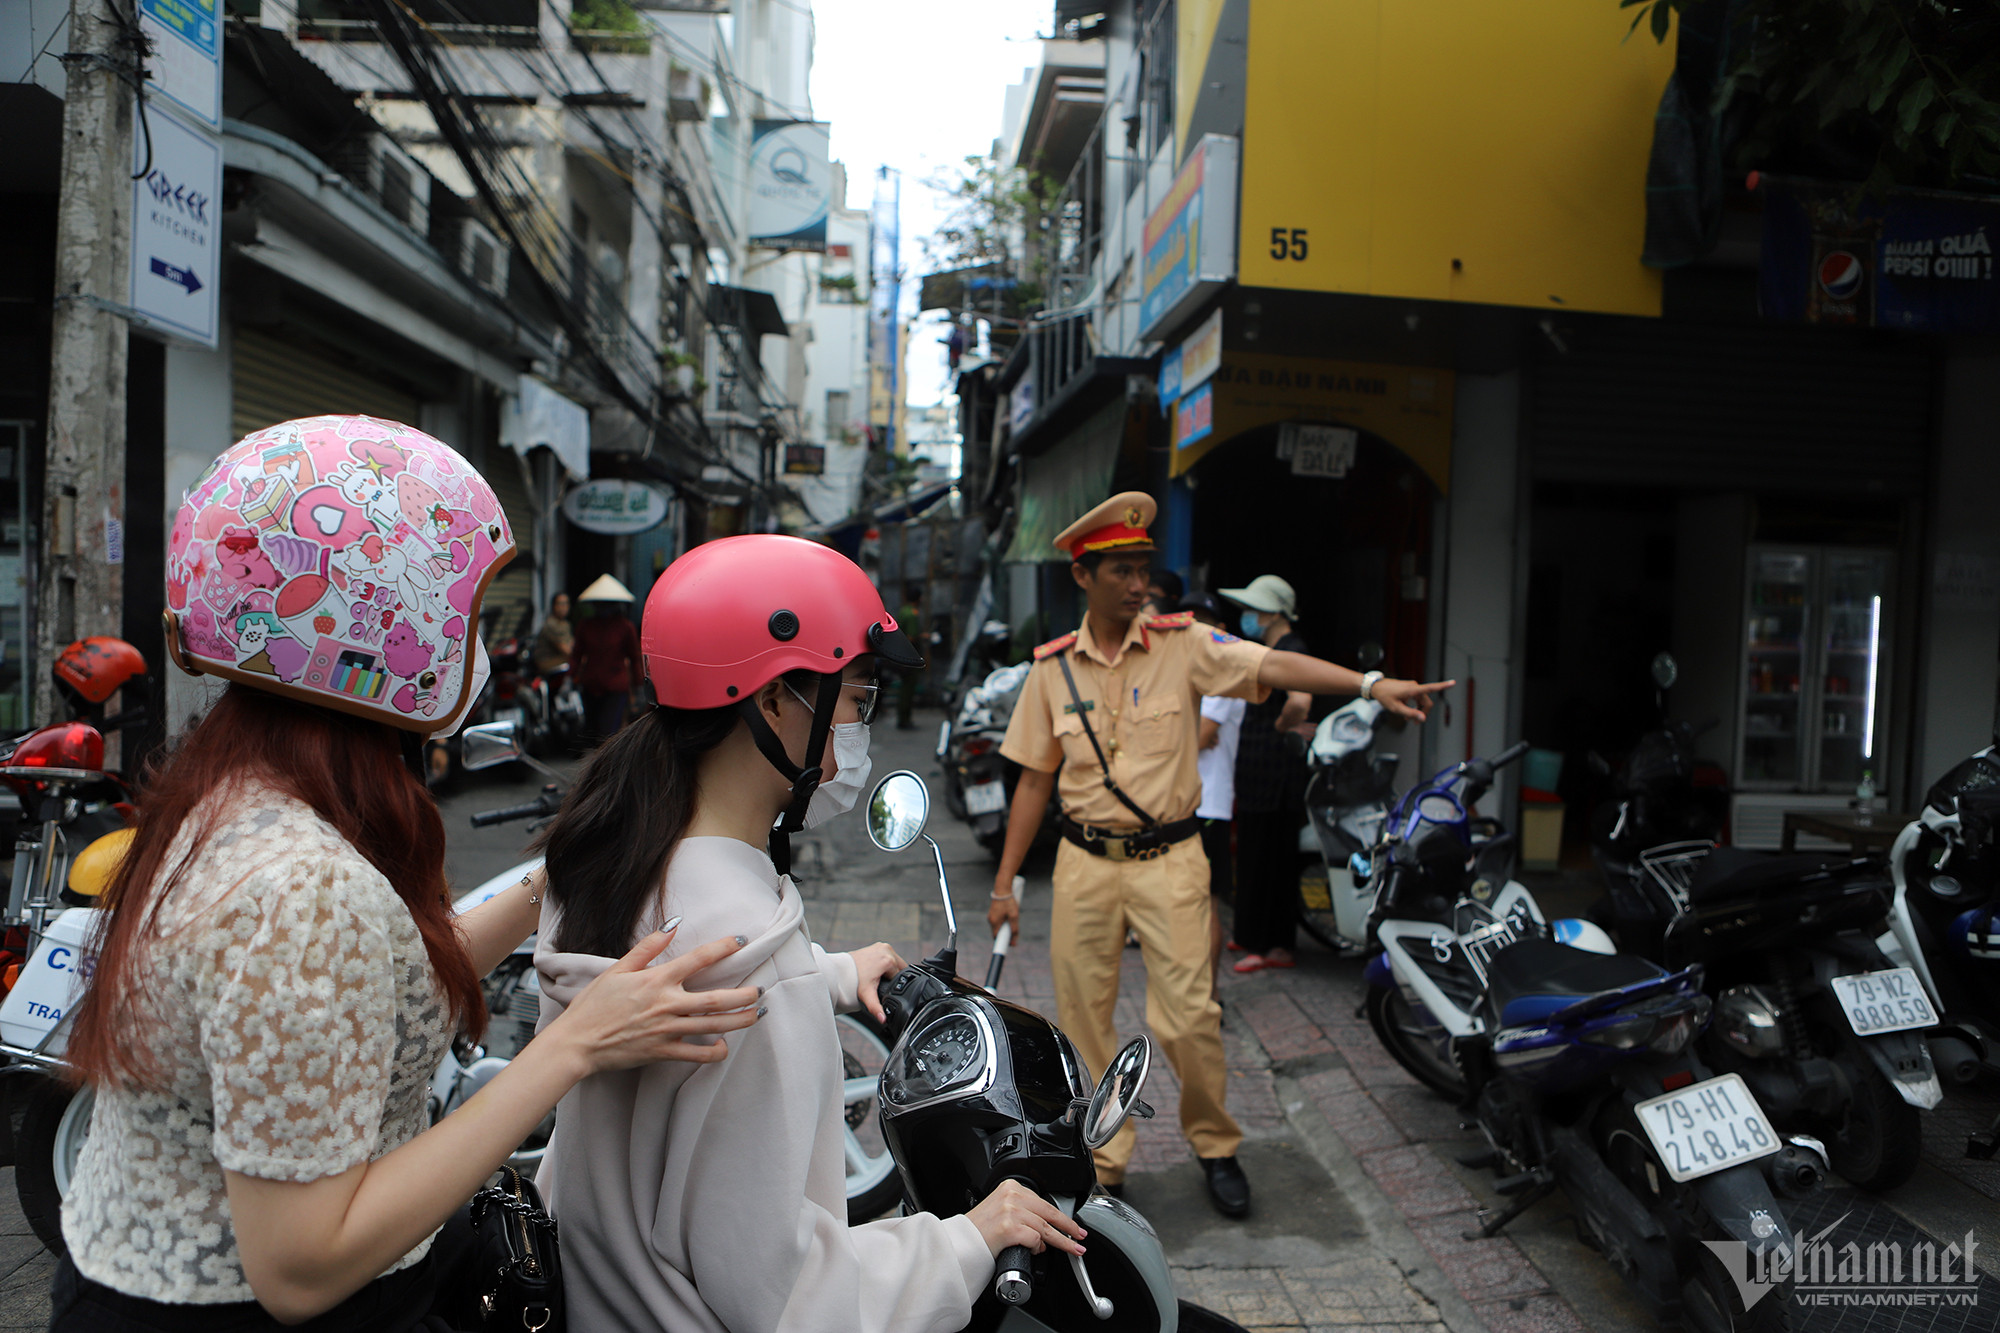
(1253, 628)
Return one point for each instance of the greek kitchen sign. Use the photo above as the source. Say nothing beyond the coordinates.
(1916, 260)
(614, 507)
(176, 221)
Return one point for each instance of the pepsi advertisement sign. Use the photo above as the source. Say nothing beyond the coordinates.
(1921, 261)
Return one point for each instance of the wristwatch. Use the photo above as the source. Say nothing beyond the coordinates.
(1368, 679)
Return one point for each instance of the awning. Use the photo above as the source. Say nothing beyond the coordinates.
(746, 308)
(536, 416)
(1062, 484)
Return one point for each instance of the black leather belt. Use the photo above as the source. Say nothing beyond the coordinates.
(1138, 845)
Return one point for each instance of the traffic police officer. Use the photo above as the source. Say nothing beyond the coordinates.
(1116, 706)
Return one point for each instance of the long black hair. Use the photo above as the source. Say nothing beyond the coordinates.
(607, 849)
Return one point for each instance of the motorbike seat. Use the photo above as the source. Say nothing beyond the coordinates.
(1527, 982)
(1734, 874)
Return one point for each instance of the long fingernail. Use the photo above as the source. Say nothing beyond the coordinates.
(742, 940)
(762, 1010)
(673, 924)
(760, 992)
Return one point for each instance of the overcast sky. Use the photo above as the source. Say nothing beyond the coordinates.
(916, 85)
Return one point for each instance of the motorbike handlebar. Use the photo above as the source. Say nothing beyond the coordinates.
(487, 818)
(1013, 1278)
(1000, 943)
(1510, 754)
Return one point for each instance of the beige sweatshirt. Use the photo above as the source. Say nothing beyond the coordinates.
(714, 1197)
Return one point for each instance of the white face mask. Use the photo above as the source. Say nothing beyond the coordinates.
(837, 793)
(482, 671)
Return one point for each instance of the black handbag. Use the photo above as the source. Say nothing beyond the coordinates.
(509, 1278)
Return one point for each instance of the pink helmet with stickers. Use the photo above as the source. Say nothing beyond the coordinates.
(338, 560)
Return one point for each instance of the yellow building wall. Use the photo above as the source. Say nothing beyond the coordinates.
(1394, 137)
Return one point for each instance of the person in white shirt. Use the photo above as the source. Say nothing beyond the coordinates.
(1221, 727)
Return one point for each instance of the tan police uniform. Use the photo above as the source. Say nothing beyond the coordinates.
(1144, 704)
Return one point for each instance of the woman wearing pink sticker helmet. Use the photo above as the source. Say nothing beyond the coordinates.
(280, 973)
(715, 1198)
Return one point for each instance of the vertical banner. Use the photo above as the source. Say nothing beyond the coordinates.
(791, 184)
(176, 228)
(184, 58)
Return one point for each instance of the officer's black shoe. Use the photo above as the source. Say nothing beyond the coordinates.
(1228, 1187)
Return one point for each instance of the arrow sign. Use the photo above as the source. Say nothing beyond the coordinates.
(184, 276)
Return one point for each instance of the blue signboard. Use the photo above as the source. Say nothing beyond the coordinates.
(1922, 262)
(1170, 376)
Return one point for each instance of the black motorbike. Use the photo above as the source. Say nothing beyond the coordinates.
(1808, 1009)
(1660, 793)
(978, 1091)
(1788, 948)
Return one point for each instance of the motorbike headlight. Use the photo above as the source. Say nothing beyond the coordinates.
(953, 1051)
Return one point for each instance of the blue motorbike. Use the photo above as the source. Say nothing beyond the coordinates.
(1577, 1064)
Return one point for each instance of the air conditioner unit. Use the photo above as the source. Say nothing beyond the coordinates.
(399, 183)
(482, 256)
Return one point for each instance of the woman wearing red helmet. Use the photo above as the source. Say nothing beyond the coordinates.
(280, 973)
(715, 1199)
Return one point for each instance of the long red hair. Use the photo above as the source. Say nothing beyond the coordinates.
(350, 771)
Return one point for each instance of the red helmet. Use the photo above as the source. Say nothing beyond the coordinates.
(733, 615)
(98, 667)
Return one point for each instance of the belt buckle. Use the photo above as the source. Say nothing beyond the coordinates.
(1114, 849)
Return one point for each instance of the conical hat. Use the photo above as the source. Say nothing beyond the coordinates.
(606, 589)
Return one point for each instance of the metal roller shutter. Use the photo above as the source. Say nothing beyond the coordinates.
(1768, 409)
(511, 595)
(278, 381)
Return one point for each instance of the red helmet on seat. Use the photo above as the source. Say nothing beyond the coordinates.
(733, 615)
(98, 667)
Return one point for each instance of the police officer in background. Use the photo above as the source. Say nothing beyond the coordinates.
(1116, 707)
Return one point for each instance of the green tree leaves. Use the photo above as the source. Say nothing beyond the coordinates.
(1893, 92)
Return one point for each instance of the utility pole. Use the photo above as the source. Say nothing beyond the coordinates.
(81, 584)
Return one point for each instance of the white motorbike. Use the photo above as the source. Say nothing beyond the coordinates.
(1348, 797)
(1945, 866)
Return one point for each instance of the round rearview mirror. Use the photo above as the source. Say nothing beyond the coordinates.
(1369, 655)
(1666, 671)
(1117, 1093)
(488, 745)
(898, 810)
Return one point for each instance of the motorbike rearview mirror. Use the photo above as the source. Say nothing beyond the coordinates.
(1117, 1096)
(1666, 671)
(1369, 655)
(898, 809)
(488, 745)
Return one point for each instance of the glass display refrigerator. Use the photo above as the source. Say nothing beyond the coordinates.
(1815, 689)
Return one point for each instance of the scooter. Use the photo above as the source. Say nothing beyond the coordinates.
(979, 1090)
(1945, 867)
(1575, 1060)
(1348, 798)
(978, 779)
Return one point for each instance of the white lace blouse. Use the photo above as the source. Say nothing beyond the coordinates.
(296, 1023)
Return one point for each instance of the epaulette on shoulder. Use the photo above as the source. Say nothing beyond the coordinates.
(1054, 646)
(1178, 620)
